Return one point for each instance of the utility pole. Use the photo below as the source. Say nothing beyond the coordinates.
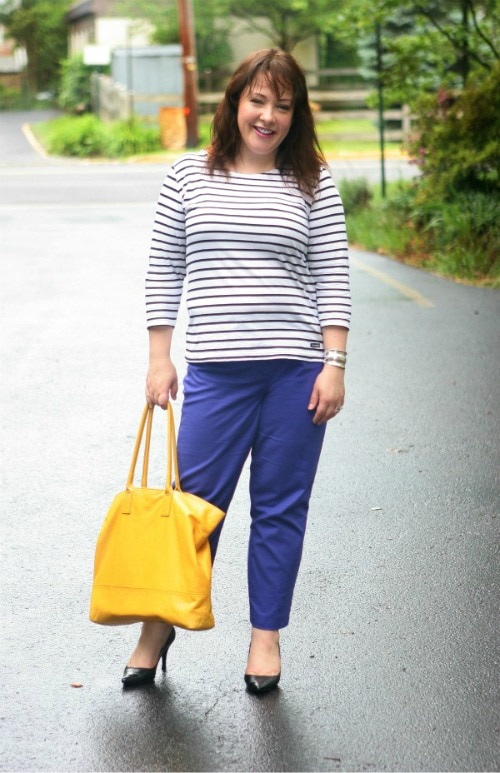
(189, 70)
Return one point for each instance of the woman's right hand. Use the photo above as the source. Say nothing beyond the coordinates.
(161, 379)
(161, 382)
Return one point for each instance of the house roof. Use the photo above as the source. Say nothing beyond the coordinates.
(84, 8)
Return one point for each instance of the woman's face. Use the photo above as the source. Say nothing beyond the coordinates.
(263, 121)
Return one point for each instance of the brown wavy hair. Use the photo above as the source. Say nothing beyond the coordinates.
(299, 156)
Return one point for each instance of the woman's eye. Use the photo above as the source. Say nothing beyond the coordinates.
(284, 107)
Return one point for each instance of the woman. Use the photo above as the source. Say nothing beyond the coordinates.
(257, 226)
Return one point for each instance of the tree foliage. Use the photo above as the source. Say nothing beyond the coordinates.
(457, 139)
(430, 43)
(288, 22)
(40, 27)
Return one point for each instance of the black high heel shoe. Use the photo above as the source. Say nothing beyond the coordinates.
(258, 685)
(134, 677)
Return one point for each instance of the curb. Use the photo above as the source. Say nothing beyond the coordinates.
(32, 140)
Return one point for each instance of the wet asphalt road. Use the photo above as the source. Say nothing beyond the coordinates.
(391, 660)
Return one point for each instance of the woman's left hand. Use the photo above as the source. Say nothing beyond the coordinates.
(327, 397)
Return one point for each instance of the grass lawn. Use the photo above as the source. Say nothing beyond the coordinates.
(344, 146)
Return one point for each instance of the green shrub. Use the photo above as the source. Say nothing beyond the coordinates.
(9, 98)
(375, 228)
(70, 136)
(458, 238)
(128, 138)
(15, 99)
(75, 85)
(356, 195)
(87, 136)
(464, 236)
(457, 140)
(454, 207)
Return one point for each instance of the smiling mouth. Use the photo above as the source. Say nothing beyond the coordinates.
(263, 132)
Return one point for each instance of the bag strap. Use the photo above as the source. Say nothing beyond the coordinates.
(172, 461)
(135, 453)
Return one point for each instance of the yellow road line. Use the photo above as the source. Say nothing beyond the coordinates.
(408, 292)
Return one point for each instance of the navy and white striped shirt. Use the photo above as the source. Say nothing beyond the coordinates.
(266, 267)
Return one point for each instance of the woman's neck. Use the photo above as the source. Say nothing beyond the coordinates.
(252, 164)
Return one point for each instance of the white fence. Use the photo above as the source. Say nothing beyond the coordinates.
(110, 100)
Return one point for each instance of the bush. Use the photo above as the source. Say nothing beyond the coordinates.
(75, 88)
(9, 98)
(464, 236)
(448, 218)
(458, 238)
(87, 136)
(83, 136)
(127, 138)
(457, 140)
(15, 99)
(383, 226)
(355, 194)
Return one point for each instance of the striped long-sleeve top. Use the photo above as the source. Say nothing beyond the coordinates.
(266, 267)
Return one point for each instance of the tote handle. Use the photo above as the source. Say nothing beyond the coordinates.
(172, 461)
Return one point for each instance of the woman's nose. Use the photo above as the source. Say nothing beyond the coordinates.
(267, 113)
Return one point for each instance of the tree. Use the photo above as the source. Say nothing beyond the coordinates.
(288, 22)
(40, 27)
(428, 44)
(469, 27)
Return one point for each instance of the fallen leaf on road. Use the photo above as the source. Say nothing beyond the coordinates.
(76, 684)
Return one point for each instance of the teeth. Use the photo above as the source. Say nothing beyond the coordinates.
(263, 131)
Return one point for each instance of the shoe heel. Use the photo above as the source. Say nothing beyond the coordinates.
(133, 677)
(165, 649)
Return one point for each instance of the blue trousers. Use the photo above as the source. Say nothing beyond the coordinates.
(260, 407)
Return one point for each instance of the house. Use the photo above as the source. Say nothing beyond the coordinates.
(244, 40)
(12, 62)
(98, 23)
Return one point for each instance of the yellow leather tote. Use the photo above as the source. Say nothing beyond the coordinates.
(152, 559)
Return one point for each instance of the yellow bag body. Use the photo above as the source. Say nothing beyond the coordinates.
(152, 558)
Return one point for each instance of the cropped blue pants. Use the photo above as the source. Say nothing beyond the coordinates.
(231, 410)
